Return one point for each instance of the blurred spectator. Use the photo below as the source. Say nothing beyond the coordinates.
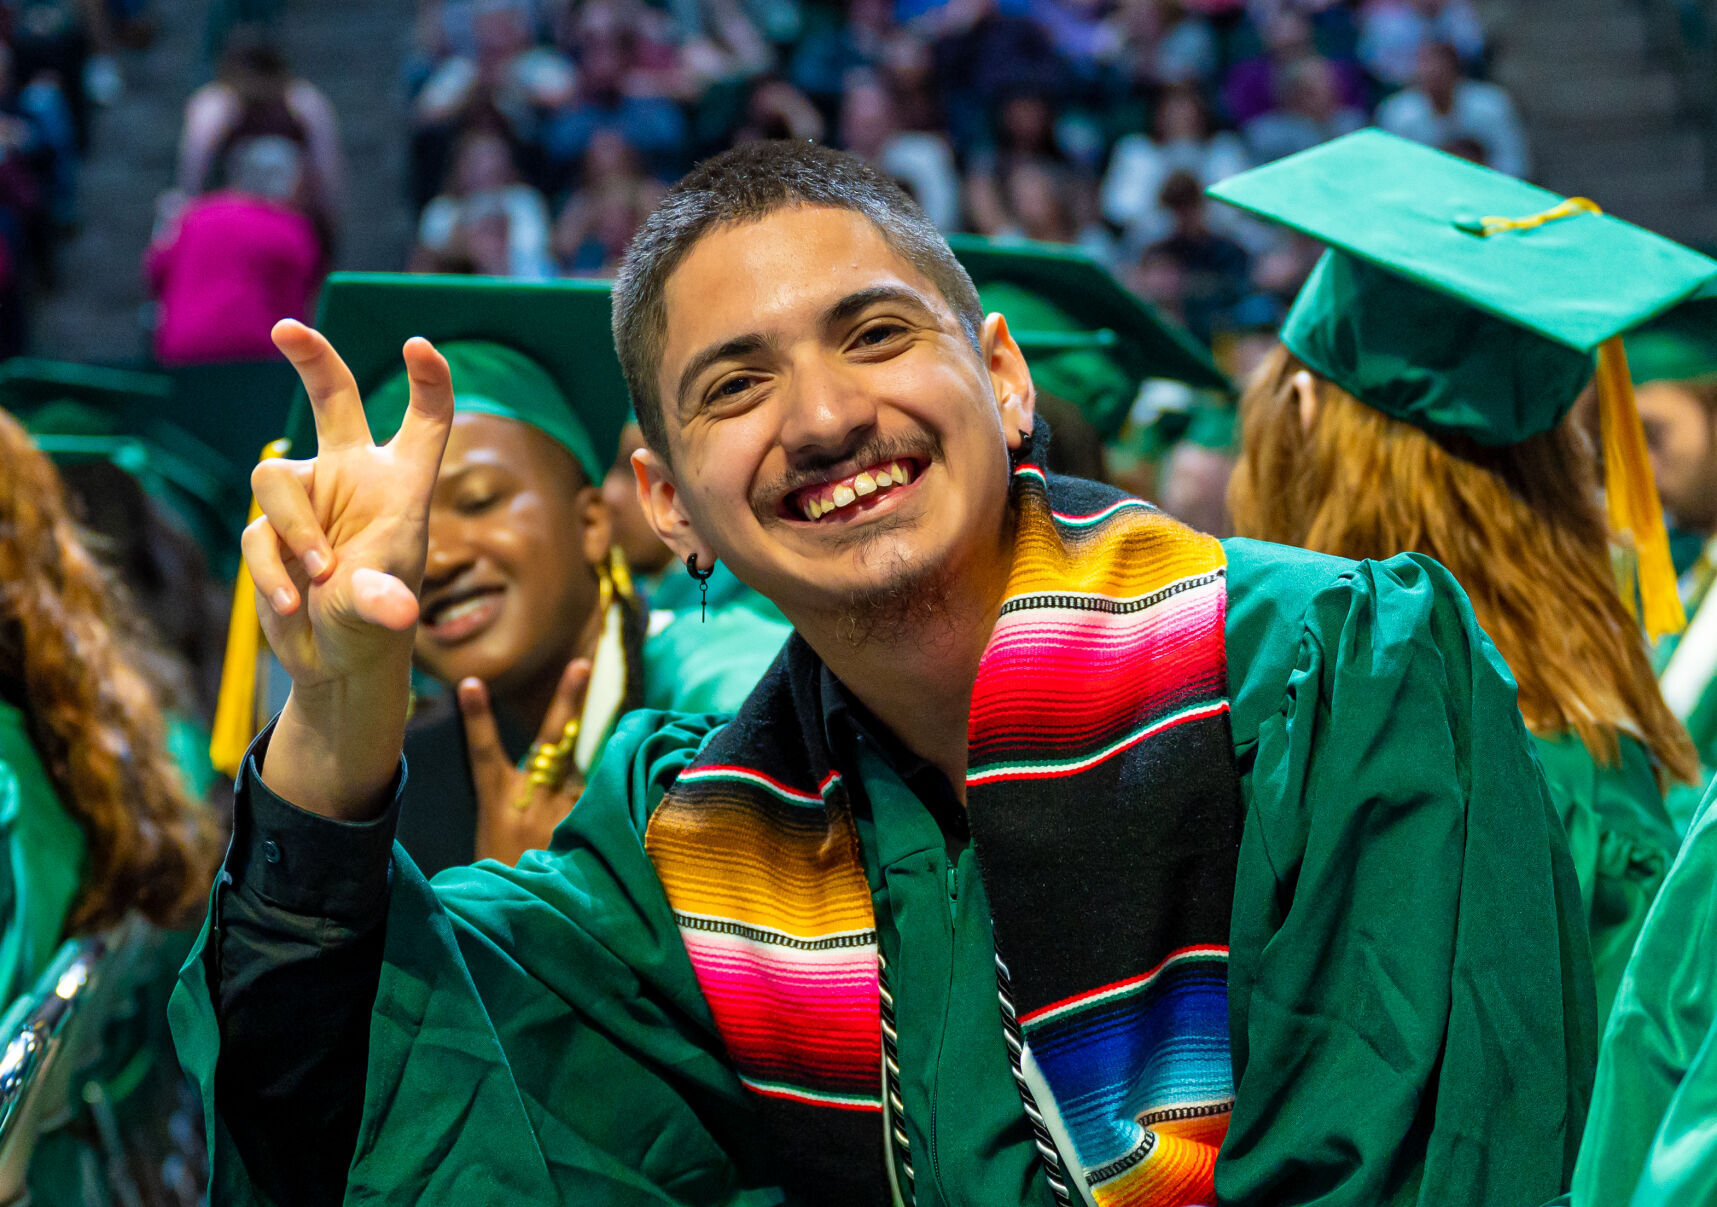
(255, 94)
(626, 83)
(922, 162)
(1024, 133)
(779, 110)
(232, 263)
(1213, 271)
(1311, 111)
(502, 76)
(599, 218)
(486, 215)
(1393, 32)
(1444, 109)
(1164, 42)
(829, 54)
(1256, 85)
(1183, 138)
(987, 52)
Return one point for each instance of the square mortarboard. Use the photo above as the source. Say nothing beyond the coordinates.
(1436, 304)
(539, 352)
(1087, 338)
(1680, 345)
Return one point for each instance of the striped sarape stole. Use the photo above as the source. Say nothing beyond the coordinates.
(1104, 806)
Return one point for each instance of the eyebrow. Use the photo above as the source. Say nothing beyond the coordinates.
(743, 345)
(841, 312)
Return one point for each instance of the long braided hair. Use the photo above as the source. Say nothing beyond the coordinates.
(92, 714)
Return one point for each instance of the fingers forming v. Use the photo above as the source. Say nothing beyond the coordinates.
(334, 398)
(423, 433)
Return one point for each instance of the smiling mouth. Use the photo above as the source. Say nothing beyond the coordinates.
(458, 615)
(838, 498)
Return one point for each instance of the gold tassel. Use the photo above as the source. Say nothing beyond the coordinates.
(1631, 494)
(237, 719)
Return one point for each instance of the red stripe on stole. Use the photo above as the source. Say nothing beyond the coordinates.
(1066, 677)
(809, 1017)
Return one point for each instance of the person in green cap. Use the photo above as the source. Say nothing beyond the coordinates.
(529, 615)
(1674, 365)
(1419, 401)
(1065, 856)
(1092, 343)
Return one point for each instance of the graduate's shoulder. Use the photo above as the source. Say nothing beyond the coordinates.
(1288, 605)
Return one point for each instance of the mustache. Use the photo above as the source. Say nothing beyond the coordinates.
(875, 450)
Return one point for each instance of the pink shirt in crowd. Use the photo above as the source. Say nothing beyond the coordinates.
(232, 267)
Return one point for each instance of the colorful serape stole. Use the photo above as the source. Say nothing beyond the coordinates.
(1104, 805)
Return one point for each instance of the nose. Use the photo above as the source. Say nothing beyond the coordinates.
(449, 553)
(828, 413)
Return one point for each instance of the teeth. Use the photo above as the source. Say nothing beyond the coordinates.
(814, 508)
(882, 478)
(844, 495)
(864, 485)
(902, 473)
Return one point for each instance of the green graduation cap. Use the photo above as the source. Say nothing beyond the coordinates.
(1464, 301)
(28, 382)
(1680, 345)
(538, 352)
(1088, 339)
(1454, 297)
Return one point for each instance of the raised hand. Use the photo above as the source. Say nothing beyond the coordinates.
(515, 811)
(337, 556)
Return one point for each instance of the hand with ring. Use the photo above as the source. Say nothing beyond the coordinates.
(518, 807)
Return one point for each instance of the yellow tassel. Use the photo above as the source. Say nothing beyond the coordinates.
(236, 709)
(1630, 491)
(1565, 209)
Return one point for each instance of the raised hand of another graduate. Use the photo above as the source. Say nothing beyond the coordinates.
(337, 557)
(518, 808)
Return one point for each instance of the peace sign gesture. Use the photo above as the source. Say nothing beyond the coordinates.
(519, 808)
(337, 556)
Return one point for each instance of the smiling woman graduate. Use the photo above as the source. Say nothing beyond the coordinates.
(1419, 402)
(523, 586)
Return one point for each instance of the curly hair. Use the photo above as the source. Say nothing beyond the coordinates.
(92, 713)
(1519, 527)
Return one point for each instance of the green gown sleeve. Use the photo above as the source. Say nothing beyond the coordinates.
(1622, 842)
(43, 858)
(1410, 985)
(697, 666)
(1651, 1142)
(538, 1034)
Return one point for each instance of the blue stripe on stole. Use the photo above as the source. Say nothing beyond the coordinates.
(1163, 1048)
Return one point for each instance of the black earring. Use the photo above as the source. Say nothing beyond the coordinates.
(703, 585)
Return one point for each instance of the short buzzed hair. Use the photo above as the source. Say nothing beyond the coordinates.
(746, 184)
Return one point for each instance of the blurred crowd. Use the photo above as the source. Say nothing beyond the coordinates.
(543, 130)
(57, 64)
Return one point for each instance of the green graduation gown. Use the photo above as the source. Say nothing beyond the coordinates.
(1651, 1141)
(1699, 712)
(43, 864)
(1622, 841)
(1410, 986)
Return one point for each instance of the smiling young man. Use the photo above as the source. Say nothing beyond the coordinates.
(1062, 848)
